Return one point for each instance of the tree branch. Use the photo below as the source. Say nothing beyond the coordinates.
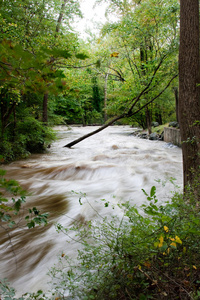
(128, 114)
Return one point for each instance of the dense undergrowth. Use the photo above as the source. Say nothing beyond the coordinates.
(30, 136)
(152, 252)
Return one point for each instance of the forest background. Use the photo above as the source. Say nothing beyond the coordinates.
(50, 76)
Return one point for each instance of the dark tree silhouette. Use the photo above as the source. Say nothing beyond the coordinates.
(189, 89)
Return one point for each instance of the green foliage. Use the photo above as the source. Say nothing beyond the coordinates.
(150, 253)
(36, 135)
(11, 207)
(145, 35)
(82, 101)
(36, 218)
(9, 293)
(30, 136)
(12, 198)
(34, 45)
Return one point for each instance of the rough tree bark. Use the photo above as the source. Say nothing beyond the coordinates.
(189, 89)
(175, 89)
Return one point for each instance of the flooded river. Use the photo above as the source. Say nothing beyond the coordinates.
(113, 165)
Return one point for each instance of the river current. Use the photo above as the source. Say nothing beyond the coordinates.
(113, 165)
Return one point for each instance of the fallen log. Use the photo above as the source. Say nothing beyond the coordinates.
(127, 114)
(95, 131)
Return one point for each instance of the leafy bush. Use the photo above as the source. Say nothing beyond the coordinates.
(151, 253)
(13, 150)
(36, 136)
(31, 136)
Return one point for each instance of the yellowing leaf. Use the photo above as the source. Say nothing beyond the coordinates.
(178, 240)
(166, 229)
(147, 264)
(173, 244)
(114, 54)
(161, 239)
(194, 267)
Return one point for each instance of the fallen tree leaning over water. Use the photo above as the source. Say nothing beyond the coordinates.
(129, 112)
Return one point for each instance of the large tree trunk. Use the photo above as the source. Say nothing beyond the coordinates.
(189, 93)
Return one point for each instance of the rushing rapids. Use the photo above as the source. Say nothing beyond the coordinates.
(113, 165)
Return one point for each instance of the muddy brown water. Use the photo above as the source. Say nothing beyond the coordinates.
(113, 165)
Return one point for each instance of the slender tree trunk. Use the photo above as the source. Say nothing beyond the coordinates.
(45, 109)
(148, 119)
(189, 93)
(105, 97)
(5, 115)
(15, 122)
(2, 119)
(158, 118)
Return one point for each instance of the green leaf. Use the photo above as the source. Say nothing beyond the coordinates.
(31, 224)
(2, 172)
(145, 192)
(17, 205)
(81, 56)
(153, 191)
(6, 218)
